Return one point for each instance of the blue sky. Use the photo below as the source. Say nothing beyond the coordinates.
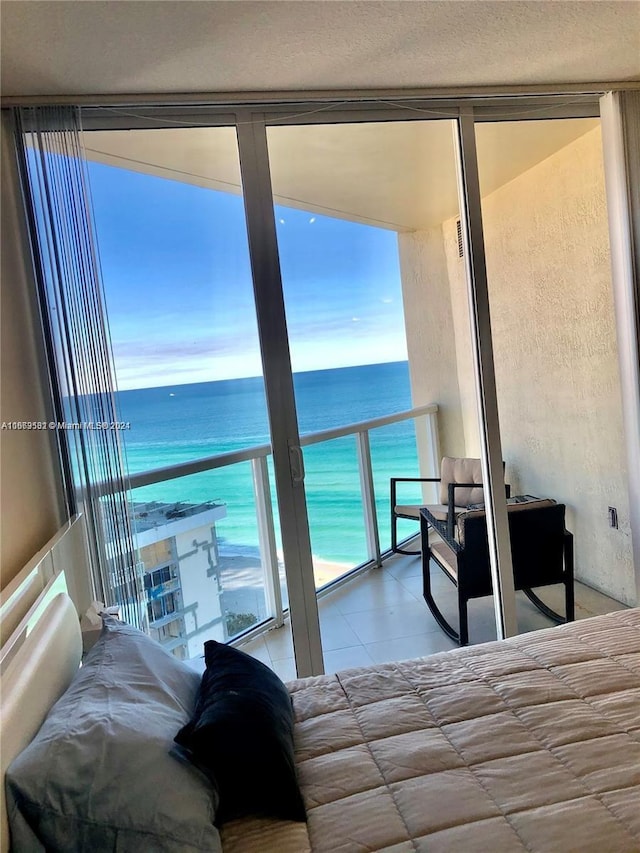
(179, 294)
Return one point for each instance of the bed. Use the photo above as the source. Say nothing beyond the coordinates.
(532, 744)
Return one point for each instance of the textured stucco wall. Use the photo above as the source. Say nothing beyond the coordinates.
(430, 333)
(555, 351)
(462, 333)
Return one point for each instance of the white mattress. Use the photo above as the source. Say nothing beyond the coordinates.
(528, 745)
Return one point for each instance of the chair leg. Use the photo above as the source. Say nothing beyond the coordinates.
(461, 637)
(448, 629)
(542, 607)
(426, 584)
(464, 621)
(396, 549)
(569, 601)
(568, 587)
(399, 550)
(394, 529)
(568, 573)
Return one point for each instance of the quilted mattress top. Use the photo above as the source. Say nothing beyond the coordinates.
(532, 744)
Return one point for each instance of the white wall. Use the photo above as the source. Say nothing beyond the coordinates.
(196, 553)
(555, 349)
(429, 324)
(552, 315)
(31, 504)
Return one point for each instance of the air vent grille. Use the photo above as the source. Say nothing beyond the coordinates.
(460, 240)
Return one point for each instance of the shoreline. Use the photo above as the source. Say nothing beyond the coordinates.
(324, 570)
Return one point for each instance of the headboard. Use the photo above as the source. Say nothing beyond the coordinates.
(41, 643)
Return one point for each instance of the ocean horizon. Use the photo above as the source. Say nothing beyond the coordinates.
(180, 423)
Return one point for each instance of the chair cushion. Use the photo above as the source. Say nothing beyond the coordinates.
(439, 511)
(407, 510)
(446, 557)
(460, 470)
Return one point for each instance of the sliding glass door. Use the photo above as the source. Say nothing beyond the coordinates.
(370, 245)
(276, 375)
(300, 312)
(179, 297)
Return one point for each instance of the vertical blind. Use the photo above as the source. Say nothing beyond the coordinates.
(58, 200)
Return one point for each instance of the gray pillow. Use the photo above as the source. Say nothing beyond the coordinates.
(98, 776)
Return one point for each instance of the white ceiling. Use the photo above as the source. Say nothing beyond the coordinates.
(397, 175)
(70, 47)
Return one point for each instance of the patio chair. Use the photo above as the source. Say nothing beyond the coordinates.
(460, 487)
(541, 550)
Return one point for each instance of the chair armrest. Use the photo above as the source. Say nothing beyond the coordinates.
(415, 479)
(465, 486)
(440, 530)
(451, 494)
(395, 480)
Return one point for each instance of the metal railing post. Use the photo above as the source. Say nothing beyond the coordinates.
(367, 491)
(267, 538)
(433, 439)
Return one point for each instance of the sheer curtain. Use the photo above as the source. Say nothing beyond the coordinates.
(66, 259)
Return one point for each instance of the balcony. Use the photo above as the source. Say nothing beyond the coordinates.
(371, 612)
(553, 339)
(380, 616)
(229, 574)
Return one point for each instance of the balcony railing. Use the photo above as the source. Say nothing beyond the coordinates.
(428, 459)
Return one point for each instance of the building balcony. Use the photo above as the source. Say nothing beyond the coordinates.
(380, 616)
(370, 612)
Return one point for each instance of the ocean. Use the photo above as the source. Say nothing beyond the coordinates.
(182, 423)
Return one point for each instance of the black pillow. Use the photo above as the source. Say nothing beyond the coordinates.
(241, 736)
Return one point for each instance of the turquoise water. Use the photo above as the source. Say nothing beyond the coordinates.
(185, 422)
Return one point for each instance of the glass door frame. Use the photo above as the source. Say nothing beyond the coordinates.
(251, 124)
(278, 379)
(464, 117)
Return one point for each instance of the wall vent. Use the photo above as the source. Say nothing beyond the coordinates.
(460, 240)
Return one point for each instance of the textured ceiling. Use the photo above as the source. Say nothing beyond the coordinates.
(74, 47)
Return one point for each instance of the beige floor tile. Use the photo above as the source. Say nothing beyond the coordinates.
(340, 659)
(403, 648)
(402, 567)
(381, 616)
(336, 632)
(285, 669)
(414, 586)
(403, 619)
(279, 642)
(257, 648)
(326, 607)
(360, 596)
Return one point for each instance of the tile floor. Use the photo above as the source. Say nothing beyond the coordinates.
(381, 616)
